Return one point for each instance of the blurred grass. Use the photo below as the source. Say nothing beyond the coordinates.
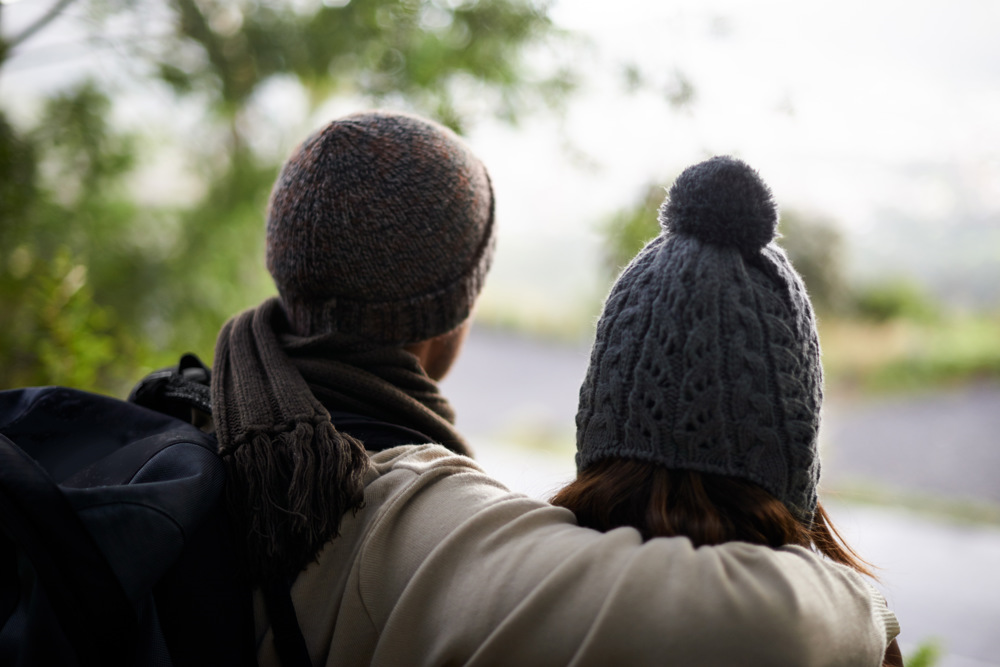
(955, 510)
(539, 436)
(905, 354)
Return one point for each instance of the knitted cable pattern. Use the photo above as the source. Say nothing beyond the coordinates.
(706, 356)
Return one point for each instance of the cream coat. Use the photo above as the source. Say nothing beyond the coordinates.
(445, 566)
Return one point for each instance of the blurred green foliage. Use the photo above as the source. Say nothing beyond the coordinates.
(97, 288)
(962, 348)
(894, 299)
(630, 229)
(926, 654)
(816, 248)
(415, 49)
(56, 333)
(63, 205)
(903, 354)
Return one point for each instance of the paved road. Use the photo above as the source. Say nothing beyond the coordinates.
(943, 580)
(945, 443)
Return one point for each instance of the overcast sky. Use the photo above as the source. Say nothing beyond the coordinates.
(841, 105)
(857, 110)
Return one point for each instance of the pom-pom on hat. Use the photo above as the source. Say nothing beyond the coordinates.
(723, 202)
(380, 226)
(706, 356)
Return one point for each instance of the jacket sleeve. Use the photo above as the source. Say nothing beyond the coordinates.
(455, 569)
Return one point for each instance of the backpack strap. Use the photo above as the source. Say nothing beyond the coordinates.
(289, 643)
(181, 391)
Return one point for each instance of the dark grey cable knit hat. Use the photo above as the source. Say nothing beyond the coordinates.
(707, 357)
(380, 225)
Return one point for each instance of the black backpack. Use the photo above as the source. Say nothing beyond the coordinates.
(115, 548)
(114, 545)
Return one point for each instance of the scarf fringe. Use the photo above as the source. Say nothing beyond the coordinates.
(291, 474)
(287, 492)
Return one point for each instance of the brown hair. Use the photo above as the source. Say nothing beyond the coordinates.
(706, 508)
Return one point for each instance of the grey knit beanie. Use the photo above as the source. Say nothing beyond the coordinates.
(706, 357)
(380, 225)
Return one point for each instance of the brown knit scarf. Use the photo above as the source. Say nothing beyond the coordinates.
(292, 474)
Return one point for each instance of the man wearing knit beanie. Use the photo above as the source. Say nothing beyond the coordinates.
(379, 234)
(380, 226)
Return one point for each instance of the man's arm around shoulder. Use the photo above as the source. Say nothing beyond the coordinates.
(484, 575)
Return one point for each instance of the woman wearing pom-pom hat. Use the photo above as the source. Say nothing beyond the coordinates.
(700, 410)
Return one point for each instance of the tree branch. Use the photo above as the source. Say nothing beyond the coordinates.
(42, 21)
(195, 25)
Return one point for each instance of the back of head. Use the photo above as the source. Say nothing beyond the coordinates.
(707, 357)
(380, 226)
